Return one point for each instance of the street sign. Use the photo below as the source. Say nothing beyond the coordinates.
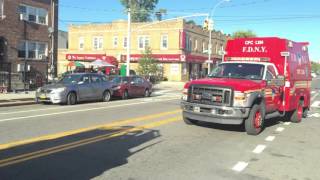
(285, 53)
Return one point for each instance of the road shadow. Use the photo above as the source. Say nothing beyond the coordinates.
(80, 157)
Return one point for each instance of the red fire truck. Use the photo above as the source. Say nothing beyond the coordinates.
(259, 78)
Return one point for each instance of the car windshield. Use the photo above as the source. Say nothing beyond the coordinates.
(72, 78)
(238, 71)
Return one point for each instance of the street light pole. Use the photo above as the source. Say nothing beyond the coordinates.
(128, 40)
(210, 28)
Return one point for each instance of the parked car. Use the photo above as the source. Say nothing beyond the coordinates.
(130, 86)
(73, 88)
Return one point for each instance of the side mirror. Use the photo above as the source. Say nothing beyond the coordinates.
(278, 81)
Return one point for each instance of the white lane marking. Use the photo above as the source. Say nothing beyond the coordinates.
(240, 166)
(314, 97)
(287, 123)
(315, 104)
(270, 138)
(79, 110)
(279, 129)
(259, 149)
(314, 115)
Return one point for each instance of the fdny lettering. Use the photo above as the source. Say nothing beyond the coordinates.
(249, 49)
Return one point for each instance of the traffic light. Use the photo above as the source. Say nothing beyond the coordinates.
(206, 24)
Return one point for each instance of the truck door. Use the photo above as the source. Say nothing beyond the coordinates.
(272, 91)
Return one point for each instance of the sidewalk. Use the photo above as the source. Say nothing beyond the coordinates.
(21, 98)
(17, 99)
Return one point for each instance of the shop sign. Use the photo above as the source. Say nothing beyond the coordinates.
(85, 57)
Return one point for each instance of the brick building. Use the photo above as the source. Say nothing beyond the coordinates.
(27, 32)
(179, 47)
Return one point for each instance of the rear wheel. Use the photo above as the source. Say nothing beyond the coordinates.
(146, 93)
(125, 94)
(254, 123)
(71, 98)
(106, 96)
(296, 116)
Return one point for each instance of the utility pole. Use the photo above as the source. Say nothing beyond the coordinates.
(128, 39)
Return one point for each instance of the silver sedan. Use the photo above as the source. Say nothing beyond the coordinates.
(76, 87)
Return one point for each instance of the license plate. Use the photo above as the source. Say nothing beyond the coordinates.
(43, 96)
(196, 109)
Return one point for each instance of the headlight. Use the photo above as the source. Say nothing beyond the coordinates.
(116, 88)
(240, 98)
(58, 90)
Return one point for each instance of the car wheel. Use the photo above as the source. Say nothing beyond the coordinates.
(106, 96)
(297, 114)
(146, 93)
(305, 113)
(254, 123)
(71, 98)
(125, 94)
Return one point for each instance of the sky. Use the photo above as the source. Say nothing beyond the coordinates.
(297, 20)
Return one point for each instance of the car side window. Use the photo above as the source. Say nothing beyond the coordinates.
(271, 73)
(85, 79)
(95, 79)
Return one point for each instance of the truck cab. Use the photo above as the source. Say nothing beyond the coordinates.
(257, 80)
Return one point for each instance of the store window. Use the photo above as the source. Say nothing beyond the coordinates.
(81, 43)
(33, 14)
(164, 42)
(32, 50)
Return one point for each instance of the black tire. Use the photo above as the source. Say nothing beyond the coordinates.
(147, 93)
(254, 123)
(189, 121)
(297, 114)
(106, 96)
(71, 98)
(125, 95)
(305, 112)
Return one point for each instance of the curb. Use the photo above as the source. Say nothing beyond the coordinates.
(17, 103)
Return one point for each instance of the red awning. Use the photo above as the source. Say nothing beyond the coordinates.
(92, 57)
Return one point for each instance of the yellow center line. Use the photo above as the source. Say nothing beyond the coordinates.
(45, 152)
(77, 131)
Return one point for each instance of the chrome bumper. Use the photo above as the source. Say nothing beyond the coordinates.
(55, 98)
(214, 114)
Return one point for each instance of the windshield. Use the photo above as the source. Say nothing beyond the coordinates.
(72, 78)
(239, 71)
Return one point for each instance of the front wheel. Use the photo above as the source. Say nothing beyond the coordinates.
(254, 123)
(71, 98)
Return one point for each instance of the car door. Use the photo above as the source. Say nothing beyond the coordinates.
(140, 86)
(85, 90)
(134, 86)
(97, 86)
(272, 91)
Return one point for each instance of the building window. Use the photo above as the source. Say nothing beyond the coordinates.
(97, 43)
(125, 42)
(32, 49)
(33, 14)
(164, 42)
(1, 9)
(115, 41)
(81, 43)
(143, 42)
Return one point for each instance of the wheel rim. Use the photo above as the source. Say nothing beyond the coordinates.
(257, 119)
(107, 96)
(72, 99)
(300, 111)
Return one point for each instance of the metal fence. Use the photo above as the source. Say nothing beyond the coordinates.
(5, 77)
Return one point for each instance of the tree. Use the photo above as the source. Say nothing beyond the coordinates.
(141, 10)
(243, 34)
(160, 13)
(192, 22)
(147, 65)
(315, 67)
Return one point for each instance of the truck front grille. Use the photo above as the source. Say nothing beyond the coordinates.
(209, 95)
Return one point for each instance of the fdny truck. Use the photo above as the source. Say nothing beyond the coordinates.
(258, 79)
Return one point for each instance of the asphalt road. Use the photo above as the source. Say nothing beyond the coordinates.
(145, 138)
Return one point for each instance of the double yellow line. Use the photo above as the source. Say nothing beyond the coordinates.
(52, 150)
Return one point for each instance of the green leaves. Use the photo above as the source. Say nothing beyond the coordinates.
(141, 10)
(147, 65)
(243, 34)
